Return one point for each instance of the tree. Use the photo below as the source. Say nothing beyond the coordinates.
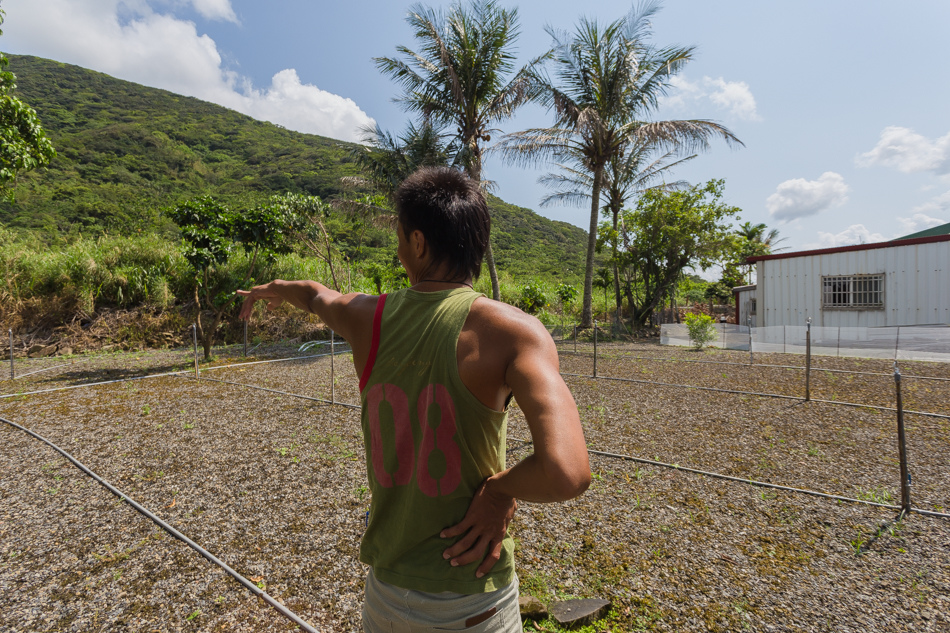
(211, 231)
(666, 233)
(387, 160)
(23, 143)
(607, 81)
(631, 171)
(460, 77)
(755, 239)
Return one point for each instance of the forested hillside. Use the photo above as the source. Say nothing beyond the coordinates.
(126, 151)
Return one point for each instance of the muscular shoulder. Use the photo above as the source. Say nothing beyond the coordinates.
(506, 324)
(351, 314)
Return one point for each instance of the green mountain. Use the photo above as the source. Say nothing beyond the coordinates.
(125, 151)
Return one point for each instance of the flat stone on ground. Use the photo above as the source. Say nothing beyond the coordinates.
(572, 613)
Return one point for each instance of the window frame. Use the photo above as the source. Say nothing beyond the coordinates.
(854, 292)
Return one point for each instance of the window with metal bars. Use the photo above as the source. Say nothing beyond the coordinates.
(853, 291)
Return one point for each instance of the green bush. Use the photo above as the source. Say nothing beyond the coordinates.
(701, 329)
(532, 298)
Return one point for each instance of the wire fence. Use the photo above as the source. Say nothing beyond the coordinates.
(890, 343)
(569, 340)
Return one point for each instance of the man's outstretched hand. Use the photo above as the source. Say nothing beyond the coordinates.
(483, 527)
(255, 294)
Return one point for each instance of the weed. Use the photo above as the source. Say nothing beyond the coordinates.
(187, 426)
(874, 495)
(146, 409)
(361, 491)
(857, 543)
(194, 615)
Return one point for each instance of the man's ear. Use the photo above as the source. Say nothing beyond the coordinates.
(417, 242)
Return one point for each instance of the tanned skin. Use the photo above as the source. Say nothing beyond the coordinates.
(501, 351)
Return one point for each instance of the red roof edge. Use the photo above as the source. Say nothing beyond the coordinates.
(854, 247)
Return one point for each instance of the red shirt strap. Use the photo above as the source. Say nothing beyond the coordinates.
(374, 344)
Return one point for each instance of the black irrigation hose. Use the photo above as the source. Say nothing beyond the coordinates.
(175, 533)
(92, 384)
(801, 367)
(757, 393)
(283, 393)
(165, 374)
(753, 482)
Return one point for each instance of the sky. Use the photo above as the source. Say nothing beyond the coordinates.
(843, 107)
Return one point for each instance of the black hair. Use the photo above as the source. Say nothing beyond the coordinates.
(450, 210)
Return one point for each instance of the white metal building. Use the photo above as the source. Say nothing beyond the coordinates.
(899, 283)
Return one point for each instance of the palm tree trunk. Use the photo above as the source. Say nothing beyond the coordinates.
(616, 270)
(587, 312)
(474, 169)
(492, 272)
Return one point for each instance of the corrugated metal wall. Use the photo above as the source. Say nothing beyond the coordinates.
(916, 287)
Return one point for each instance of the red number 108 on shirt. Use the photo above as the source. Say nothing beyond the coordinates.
(440, 437)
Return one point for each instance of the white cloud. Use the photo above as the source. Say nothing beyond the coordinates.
(905, 150)
(854, 234)
(215, 9)
(732, 96)
(922, 221)
(128, 39)
(927, 215)
(799, 198)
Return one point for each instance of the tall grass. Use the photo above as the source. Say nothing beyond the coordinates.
(127, 272)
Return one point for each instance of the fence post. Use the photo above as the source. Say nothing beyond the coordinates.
(595, 349)
(194, 336)
(902, 446)
(575, 339)
(897, 343)
(332, 367)
(749, 321)
(245, 337)
(12, 374)
(808, 360)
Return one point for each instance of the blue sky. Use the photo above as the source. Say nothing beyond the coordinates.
(844, 106)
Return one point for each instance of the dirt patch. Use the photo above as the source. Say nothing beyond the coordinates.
(275, 486)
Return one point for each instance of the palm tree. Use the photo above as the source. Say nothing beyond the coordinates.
(756, 234)
(630, 172)
(387, 160)
(607, 81)
(758, 240)
(460, 77)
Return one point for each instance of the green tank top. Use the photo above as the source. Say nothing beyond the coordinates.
(429, 444)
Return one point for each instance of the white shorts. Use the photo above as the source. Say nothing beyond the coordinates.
(391, 609)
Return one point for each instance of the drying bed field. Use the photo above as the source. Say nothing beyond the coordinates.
(274, 486)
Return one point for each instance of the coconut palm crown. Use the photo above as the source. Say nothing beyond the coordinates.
(463, 76)
(602, 83)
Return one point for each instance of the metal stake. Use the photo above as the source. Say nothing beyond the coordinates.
(332, 368)
(194, 335)
(808, 360)
(749, 321)
(245, 337)
(12, 374)
(902, 446)
(595, 349)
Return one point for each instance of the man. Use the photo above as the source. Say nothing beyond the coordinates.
(438, 365)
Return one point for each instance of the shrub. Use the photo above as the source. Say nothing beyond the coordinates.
(532, 298)
(701, 329)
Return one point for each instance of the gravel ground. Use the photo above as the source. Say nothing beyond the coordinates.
(274, 486)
